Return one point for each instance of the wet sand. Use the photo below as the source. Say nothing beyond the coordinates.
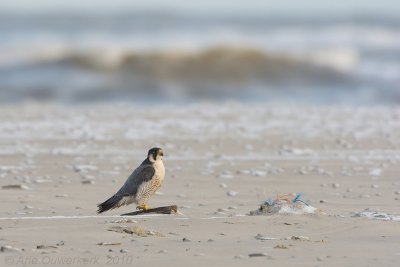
(222, 161)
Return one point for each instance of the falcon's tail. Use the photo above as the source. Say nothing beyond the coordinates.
(111, 203)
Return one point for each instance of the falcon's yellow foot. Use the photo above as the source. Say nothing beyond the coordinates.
(143, 207)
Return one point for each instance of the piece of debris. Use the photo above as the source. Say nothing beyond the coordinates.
(261, 237)
(109, 244)
(45, 247)
(298, 238)
(285, 204)
(173, 233)
(84, 168)
(121, 221)
(231, 193)
(16, 186)
(251, 255)
(135, 230)
(335, 185)
(239, 257)
(376, 215)
(281, 247)
(8, 248)
(61, 195)
(159, 210)
(375, 172)
(88, 181)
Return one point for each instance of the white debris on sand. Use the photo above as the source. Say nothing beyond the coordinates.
(376, 215)
(375, 172)
(84, 168)
(286, 204)
(231, 193)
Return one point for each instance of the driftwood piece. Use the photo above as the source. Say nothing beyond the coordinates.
(160, 210)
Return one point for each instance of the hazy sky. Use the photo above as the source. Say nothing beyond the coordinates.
(218, 6)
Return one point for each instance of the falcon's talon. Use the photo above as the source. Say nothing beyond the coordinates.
(143, 207)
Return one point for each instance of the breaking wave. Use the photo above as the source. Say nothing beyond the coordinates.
(216, 64)
(219, 72)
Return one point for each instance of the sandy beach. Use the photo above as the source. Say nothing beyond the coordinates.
(254, 103)
(58, 162)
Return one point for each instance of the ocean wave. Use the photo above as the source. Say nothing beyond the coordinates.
(216, 65)
(218, 73)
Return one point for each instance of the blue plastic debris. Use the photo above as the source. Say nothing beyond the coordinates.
(285, 204)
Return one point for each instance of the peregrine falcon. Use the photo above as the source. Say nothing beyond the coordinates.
(140, 185)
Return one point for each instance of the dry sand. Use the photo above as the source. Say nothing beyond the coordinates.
(222, 161)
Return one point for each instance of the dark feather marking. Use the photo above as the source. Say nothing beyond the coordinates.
(143, 173)
(109, 204)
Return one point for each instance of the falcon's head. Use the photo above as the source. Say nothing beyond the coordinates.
(155, 154)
